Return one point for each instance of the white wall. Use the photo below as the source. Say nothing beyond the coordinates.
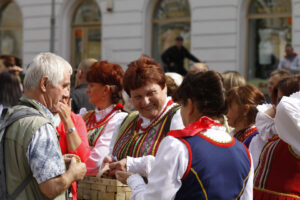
(122, 31)
(296, 25)
(36, 27)
(218, 30)
(214, 33)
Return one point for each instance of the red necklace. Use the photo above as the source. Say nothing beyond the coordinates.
(94, 124)
(138, 126)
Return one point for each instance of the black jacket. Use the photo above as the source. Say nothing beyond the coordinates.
(80, 99)
(176, 56)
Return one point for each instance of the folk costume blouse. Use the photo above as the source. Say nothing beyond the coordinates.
(266, 127)
(245, 136)
(278, 173)
(140, 136)
(102, 125)
(172, 164)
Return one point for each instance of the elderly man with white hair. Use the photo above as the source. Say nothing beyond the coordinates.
(31, 144)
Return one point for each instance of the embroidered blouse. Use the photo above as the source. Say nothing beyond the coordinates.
(104, 138)
(142, 136)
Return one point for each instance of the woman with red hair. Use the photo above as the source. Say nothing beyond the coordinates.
(242, 102)
(157, 114)
(105, 84)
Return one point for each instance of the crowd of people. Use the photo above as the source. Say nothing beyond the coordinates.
(205, 135)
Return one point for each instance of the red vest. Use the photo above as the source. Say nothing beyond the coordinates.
(277, 175)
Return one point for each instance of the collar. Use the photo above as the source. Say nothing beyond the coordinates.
(46, 110)
(203, 124)
(57, 120)
(292, 56)
(146, 122)
(100, 114)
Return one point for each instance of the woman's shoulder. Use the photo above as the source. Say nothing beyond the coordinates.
(121, 114)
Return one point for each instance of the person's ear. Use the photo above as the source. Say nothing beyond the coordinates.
(165, 89)
(80, 73)
(246, 110)
(106, 89)
(191, 107)
(43, 83)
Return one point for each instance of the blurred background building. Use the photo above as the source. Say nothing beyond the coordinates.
(248, 36)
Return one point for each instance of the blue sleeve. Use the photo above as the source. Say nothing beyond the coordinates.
(44, 155)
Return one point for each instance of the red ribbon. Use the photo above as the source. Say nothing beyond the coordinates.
(140, 121)
(95, 124)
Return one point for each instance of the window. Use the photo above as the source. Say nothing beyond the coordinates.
(86, 32)
(11, 29)
(171, 18)
(269, 30)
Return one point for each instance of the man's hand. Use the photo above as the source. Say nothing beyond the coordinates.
(57, 185)
(64, 111)
(123, 176)
(77, 169)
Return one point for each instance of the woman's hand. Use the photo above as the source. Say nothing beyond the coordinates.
(123, 176)
(118, 166)
(271, 111)
(64, 111)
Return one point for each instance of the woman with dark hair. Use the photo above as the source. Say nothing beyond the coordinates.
(143, 130)
(201, 161)
(242, 102)
(104, 90)
(10, 90)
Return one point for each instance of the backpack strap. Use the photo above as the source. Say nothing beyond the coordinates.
(16, 116)
(20, 188)
(3, 126)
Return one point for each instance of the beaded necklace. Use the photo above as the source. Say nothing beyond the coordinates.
(93, 124)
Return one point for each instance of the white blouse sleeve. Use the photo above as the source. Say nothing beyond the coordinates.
(176, 123)
(164, 181)
(102, 147)
(141, 165)
(266, 128)
(287, 121)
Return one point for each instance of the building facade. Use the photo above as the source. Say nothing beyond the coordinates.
(248, 36)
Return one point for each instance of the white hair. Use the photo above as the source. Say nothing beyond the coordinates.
(45, 64)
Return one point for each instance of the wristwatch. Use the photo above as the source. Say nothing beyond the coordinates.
(71, 130)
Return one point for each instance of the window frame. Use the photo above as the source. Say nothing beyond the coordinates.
(250, 16)
(84, 27)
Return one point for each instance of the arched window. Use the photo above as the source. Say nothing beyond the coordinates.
(11, 37)
(269, 30)
(86, 32)
(171, 18)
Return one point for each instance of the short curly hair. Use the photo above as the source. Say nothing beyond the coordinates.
(141, 72)
(110, 74)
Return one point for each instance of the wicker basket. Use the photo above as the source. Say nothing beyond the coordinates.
(95, 188)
